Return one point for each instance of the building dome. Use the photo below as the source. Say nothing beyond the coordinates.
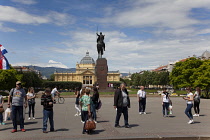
(87, 59)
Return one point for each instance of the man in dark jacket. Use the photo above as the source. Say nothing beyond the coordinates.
(121, 103)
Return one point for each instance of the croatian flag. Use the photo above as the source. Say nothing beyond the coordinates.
(4, 64)
(3, 50)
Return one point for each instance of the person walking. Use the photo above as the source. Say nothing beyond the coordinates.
(47, 102)
(31, 102)
(94, 104)
(141, 97)
(189, 101)
(77, 94)
(85, 103)
(1, 113)
(165, 102)
(121, 104)
(17, 96)
(197, 102)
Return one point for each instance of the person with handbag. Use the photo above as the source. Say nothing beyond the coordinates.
(85, 103)
(31, 102)
(197, 102)
(141, 97)
(165, 102)
(18, 98)
(94, 104)
(189, 101)
(1, 110)
(121, 104)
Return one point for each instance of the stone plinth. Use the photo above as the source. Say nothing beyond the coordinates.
(101, 71)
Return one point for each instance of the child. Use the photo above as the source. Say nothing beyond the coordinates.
(47, 102)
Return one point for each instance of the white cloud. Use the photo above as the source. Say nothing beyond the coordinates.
(51, 63)
(27, 2)
(166, 13)
(14, 15)
(6, 29)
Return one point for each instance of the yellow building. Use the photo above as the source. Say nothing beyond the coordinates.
(85, 73)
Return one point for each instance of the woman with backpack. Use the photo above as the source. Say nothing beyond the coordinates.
(94, 103)
(31, 102)
(197, 102)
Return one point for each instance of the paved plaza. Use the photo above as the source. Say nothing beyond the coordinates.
(152, 125)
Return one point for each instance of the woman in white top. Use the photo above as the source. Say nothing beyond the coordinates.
(189, 101)
(165, 102)
(31, 102)
(197, 101)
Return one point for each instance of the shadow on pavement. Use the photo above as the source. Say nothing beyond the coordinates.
(28, 123)
(95, 132)
(62, 129)
(32, 129)
(102, 121)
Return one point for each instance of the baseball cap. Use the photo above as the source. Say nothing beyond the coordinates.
(18, 83)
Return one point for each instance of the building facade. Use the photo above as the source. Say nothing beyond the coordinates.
(85, 73)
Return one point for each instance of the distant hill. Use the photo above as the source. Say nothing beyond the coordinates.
(48, 71)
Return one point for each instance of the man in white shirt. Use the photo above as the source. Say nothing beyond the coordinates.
(53, 92)
(141, 97)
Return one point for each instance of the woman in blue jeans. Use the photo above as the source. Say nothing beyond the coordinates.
(189, 101)
(1, 114)
(165, 102)
(94, 103)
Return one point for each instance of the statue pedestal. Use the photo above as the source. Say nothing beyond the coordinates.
(101, 71)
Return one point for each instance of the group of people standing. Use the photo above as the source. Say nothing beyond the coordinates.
(122, 103)
(88, 104)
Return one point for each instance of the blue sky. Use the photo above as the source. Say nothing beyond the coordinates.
(139, 35)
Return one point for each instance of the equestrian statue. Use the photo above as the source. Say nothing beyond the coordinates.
(100, 44)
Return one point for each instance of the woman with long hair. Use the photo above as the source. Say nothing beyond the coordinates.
(94, 104)
(77, 94)
(85, 103)
(31, 102)
(197, 102)
(189, 101)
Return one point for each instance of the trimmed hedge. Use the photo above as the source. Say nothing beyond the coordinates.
(62, 85)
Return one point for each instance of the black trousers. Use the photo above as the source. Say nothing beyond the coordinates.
(121, 110)
(142, 104)
(196, 107)
(31, 107)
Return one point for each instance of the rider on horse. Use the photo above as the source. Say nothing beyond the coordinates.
(100, 43)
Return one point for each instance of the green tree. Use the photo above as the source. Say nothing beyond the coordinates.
(202, 77)
(182, 73)
(8, 78)
(30, 79)
(52, 77)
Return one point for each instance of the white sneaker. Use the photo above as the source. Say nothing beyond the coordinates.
(34, 118)
(82, 122)
(144, 112)
(79, 114)
(195, 115)
(29, 118)
(140, 112)
(190, 122)
(95, 121)
(76, 115)
(198, 115)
